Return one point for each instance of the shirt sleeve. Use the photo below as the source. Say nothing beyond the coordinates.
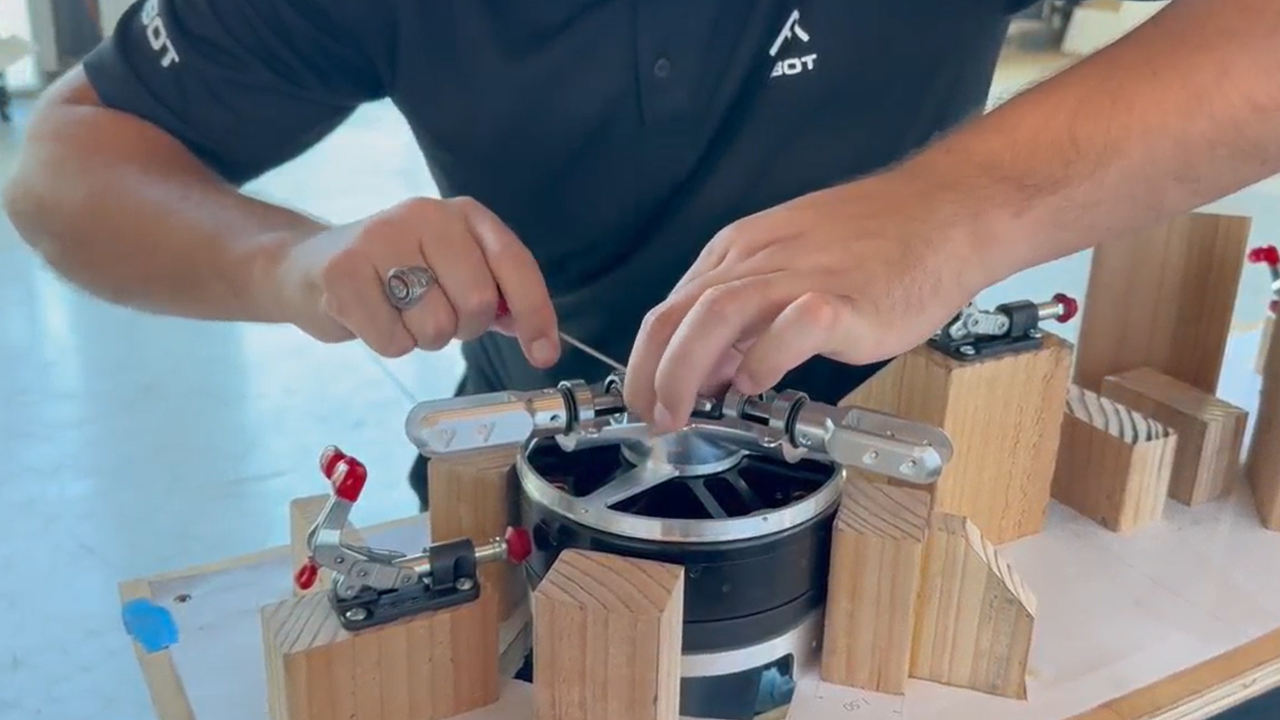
(246, 85)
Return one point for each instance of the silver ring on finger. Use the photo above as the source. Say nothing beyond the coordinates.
(406, 285)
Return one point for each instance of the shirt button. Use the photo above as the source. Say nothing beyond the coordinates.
(662, 68)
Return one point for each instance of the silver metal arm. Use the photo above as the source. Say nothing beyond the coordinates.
(787, 424)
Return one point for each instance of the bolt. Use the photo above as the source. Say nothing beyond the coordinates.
(909, 466)
(967, 350)
(1034, 333)
(405, 580)
(362, 573)
(339, 560)
(871, 457)
(356, 614)
(465, 584)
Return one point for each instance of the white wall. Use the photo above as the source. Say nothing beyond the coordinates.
(109, 12)
(1097, 23)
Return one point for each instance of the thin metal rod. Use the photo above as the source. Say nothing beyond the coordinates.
(592, 352)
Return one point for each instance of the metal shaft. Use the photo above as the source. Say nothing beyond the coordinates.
(592, 351)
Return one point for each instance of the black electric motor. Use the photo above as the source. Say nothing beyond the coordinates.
(752, 531)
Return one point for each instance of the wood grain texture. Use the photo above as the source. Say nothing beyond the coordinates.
(1262, 466)
(975, 617)
(1004, 417)
(303, 513)
(431, 666)
(874, 578)
(1114, 464)
(607, 634)
(474, 495)
(1210, 430)
(1163, 299)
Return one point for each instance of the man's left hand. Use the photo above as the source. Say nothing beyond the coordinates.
(857, 273)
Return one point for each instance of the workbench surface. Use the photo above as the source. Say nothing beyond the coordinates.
(1179, 621)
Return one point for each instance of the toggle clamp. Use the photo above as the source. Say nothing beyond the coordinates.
(1011, 327)
(372, 586)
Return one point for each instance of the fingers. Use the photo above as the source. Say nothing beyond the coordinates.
(475, 260)
(684, 342)
(815, 324)
(519, 279)
(345, 279)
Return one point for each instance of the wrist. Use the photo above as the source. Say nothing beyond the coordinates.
(279, 287)
(972, 230)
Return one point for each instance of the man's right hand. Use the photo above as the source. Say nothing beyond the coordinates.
(333, 283)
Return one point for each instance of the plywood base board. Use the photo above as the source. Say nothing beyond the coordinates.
(1114, 615)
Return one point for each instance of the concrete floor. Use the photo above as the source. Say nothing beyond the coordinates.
(137, 444)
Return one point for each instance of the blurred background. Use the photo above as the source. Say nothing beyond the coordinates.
(135, 444)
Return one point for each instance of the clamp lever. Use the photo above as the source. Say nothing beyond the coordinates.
(372, 586)
(1011, 327)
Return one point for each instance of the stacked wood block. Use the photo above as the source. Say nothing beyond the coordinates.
(1114, 464)
(1210, 431)
(1004, 416)
(921, 594)
(876, 558)
(975, 619)
(607, 639)
(1262, 467)
(1164, 300)
(473, 495)
(431, 666)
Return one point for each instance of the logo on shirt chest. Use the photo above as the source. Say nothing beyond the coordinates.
(158, 34)
(793, 38)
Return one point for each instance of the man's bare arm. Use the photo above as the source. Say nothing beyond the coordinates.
(1179, 113)
(124, 210)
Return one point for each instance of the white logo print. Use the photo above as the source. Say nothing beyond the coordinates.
(158, 34)
(796, 64)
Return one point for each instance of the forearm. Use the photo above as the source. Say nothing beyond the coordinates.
(1179, 113)
(124, 211)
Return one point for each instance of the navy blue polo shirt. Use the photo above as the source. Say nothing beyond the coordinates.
(615, 137)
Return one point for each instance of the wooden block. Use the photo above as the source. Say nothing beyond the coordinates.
(975, 618)
(1210, 431)
(1003, 415)
(607, 634)
(1163, 299)
(1268, 328)
(303, 513)
(875, 573)
(427, 667)
(474, 495)
(1262, 468)
(1114, 464)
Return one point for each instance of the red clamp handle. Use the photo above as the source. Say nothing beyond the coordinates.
(1265, 255)
(519, 545)
(306, 575)
(347, 474)
(1070, 308)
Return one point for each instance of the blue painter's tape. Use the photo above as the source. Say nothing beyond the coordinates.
(149, 624)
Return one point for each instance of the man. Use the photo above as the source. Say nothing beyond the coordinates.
(752, 191)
